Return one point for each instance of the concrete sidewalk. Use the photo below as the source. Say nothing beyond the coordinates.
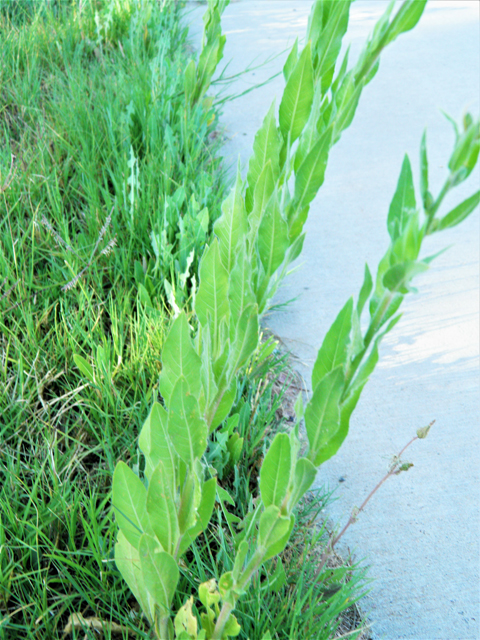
(420, 533)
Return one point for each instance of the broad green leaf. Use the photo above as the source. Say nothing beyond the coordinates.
(186, 428)
(460, 212)
(392, 307)
(231, 227)
(266, 146)
(186, 507)
(160, 572)
(211, 299)
(345, 103)
(398, 277)
(304, 475)
(365, 291)
(295, 249)
(179, 358)
(408, 243)
(263, 191)
(296, 219)
(186, 624)
(273, 531)
(297, 97)
(204, 514)
(424, 170)
(311, 173)
(161, 510)
(272, 237)
(338, 438)
(209, 57)
(221, 405)
(334, 349)
(240, 558)
(291, 61)
(155, 443)
(240, 293)
(246, 339)
(189, 80)
(224, 496)
(322, 415)
(315, 23)
(232, 628)
(235, 447)
(205, 508)
(225, 584)
(406, 18)
(275, 471)
(127, 559)
(129, 503)
(355, 389)
(403, 203)
(312, 131)
(85, 367)
(341, 72)
(205, 347)
(330, 43)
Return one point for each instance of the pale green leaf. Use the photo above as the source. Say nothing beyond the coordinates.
(322, 415)
(186, 428)
(266, 147)
(221, 405)
(330, 42)
(275, 471)
(406, 18)
(127, 560)
(179, 358)
(129, 503)
(272, 237)
(398, 277)
(263, 191)
(304, 476)
(204, 514)
(160, 572)
(424, 170)
(155, 443)
(403, 203)
(246, 339)
(211, 300)
(85, 367)
(311, 173)
(240, 292)
(291, 61)
(460, 212)
(231, 227)
(334, 349)
(273, 531)
(365, 291)
(297, 97)
(161, 510)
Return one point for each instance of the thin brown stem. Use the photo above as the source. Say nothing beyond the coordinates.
(395, 469)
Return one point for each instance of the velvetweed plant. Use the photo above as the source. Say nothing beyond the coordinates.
(257, 236)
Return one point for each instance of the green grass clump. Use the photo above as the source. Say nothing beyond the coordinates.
(109, 186)
(112, 194)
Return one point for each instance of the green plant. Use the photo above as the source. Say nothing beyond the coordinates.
(258, 235)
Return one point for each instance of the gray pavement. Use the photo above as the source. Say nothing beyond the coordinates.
(420, 533)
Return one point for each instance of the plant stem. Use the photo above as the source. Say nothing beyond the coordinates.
(333, 540)
(431, 214)
(222, 620)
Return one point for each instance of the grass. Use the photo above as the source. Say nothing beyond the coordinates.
(109, 187)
